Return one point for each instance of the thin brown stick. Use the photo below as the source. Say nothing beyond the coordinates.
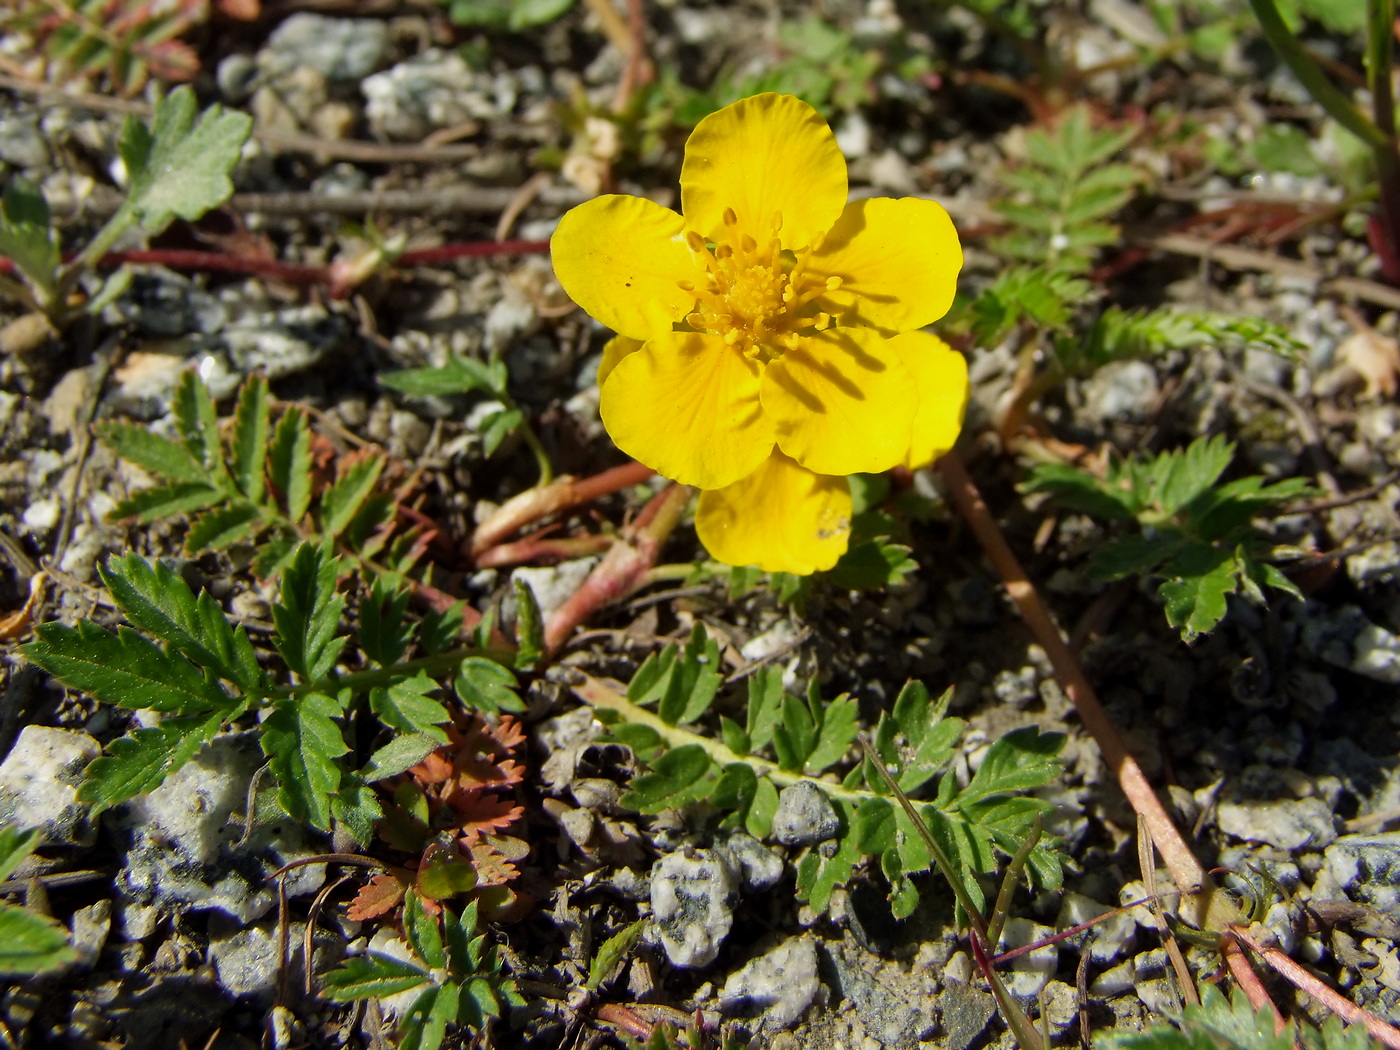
(1213, 910)
(1248, 980)
(1329, 997)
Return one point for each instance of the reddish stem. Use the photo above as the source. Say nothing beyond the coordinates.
(624, 568)
(559, 494)
(1304, 981)
(538, 548)
(1186, 870)
(1248, 980)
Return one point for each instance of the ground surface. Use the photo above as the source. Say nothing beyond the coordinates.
(1271, 737)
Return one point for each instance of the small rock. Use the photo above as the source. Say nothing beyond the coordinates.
(1367, 868)
(339, 49)
(180, 839)
(883, 1010)
(1122, 392)
(22, 143)
(805, 816)
(284, 343)
(776, 987)
(692, 903)
(967, 1011)
(759, 867)
(166, 304)
(1345, 638)
(1155, 987)
(39, 782)
(433, 90)
(1286, 824)
(1110, 938)
(90, 927)
(552, 585)
(1031, 972)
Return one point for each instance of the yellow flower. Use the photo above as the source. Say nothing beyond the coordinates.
(760, 326)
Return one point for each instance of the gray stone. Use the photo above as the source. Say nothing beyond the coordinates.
(247, 961)
(39, 782)
(183, 843)
(90, 927)
(693, 892)
(433, 90)
(967, 1011)
(167, 304)
(758, 866)
(344, 49)
(1031, 972)
(1304, 823)
(891, 1017)
(775, 987)
(1367, 869)
(284, 343)
(1110, 938)
(22, 143)
(552, 585)
(1122, 392)
(805, 816)
(1345, 638)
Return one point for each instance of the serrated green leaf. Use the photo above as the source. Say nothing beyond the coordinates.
(289, 463)
(1182, 476)
(439, 630)
(1196, 603)
(197, 421)
(15, 845)
(222, 527)
(251, 424)
(1022, 760)
(765, 700)
(124, 668)
(611, 953)
(421, 929)
(371, 976)
(868, 566)
(445, 874)
(308, 612)
(529, 627)
(406, 706)
(31, 943)
(166, 501)
(27, 236)
(758, 821)
(179, 167)
(399, 754)
(140, 762)
(817, 875)
(1081, 491)
(733, 735)
(460, 375)
(274, 552)
(151, 452)
(385, 632)
(355, 807)
(342, 501)
(1134, 555)
(157, 600)
(425, 1023)
(484, 685)
(302, 742)
(840, 722)
(677, 777)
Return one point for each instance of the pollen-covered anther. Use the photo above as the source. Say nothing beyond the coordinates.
(696, 242)
(832, 283)
(686, 286)
(730, 218)
(747, 243)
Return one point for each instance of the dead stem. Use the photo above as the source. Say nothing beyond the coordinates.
(1212, 909)
(1248, 980)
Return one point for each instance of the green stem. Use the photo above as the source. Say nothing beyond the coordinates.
(100, 245)
(531, 439)
(1323, 91)
(360, 681)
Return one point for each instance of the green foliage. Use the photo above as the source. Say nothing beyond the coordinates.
(807, 737)
(125, 43)
(181, 657)
(177, 167)
(515, 15)
(457, 975)
(29, 943)
(257, 485)
(1063, 192)
(1219, 1023)
(1195, 534)
(611, 953)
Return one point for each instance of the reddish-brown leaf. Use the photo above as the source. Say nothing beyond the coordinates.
(492, 868)
(477, 815)
(380, 895)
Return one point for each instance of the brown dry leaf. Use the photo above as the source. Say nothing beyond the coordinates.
(14, 624)
(1375, 358)
(242, 10)
(477, 815)
(492, 869)
(380, 895)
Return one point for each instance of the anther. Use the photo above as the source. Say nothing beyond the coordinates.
(730, 219)
(723, 251)
(832, 283)
(696, 242)
(747, 243)
(685, 286)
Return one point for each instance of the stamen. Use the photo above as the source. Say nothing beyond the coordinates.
(723, 252)
(685, 286)
(832, 283)
(696, 242)
(747, 243)
(730, 219)
(776, 222)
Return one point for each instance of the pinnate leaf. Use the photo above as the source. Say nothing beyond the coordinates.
(307, 614)
(154, 453)
(31, 943)
(372, 977)
(289, 463)
(302, 742)
(343, 499)
(166, 501)
(140, 761)
(250, 437)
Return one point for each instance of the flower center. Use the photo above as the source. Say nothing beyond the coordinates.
(755, 296)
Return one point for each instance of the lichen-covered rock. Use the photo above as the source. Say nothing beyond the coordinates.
(805, 816)
(39, 782)
(776, 986)
(693, 892)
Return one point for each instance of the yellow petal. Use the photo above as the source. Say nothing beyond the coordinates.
(941, 375)
(765, 155)
(898, 261)
(687, 406)
(618, 347)
(781, 518)
(622, 259)
(842, 402)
